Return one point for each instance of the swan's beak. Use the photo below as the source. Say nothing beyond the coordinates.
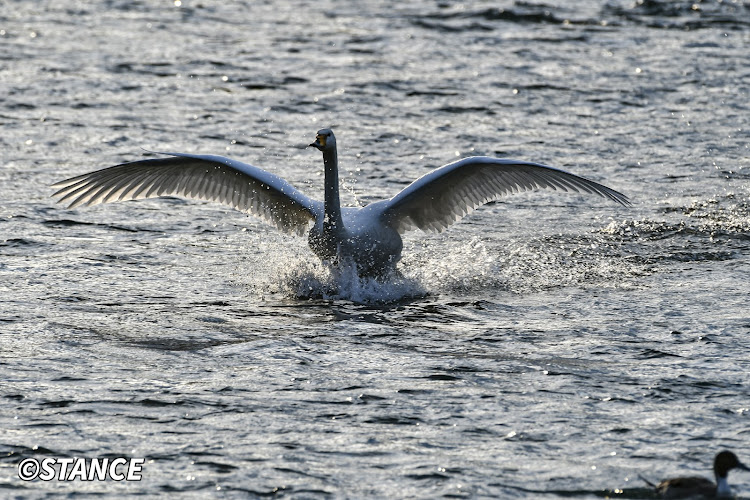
(320, 142)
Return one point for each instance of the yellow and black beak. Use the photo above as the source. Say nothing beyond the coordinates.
(320, 142)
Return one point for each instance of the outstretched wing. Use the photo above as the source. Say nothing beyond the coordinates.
(203, 177)
(438, 199)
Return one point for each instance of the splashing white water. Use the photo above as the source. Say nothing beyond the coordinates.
(437, 266)
(342, 283)
(291, 271)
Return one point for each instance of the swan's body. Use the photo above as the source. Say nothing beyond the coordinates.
(696, 487)
(368, 237)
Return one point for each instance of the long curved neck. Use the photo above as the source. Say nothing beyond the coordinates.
(332, 204)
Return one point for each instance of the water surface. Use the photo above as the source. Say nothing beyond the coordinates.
(549, 345)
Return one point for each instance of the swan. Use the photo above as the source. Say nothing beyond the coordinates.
(367, 237)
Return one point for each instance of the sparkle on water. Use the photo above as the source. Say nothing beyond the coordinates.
(549, 343)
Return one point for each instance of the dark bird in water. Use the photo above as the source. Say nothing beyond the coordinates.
(699, 487)
(368, 237)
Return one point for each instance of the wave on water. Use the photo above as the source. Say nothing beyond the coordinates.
(664, 14)
(709, 229)
(680, 15)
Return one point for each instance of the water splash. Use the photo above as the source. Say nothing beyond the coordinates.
(524, 265)
(302, 277)
(456, 267)
(343, 283)
(469, 267)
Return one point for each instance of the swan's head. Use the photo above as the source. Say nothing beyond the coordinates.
(325, 140)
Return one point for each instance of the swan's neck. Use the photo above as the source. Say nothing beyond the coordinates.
(332, 205)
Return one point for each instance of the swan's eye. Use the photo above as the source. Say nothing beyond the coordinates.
(322, 139)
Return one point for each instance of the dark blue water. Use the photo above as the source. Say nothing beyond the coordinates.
(547, 346)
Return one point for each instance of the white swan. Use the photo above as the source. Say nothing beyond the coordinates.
(369, 237)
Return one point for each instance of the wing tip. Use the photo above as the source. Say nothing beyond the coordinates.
(617, 197)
